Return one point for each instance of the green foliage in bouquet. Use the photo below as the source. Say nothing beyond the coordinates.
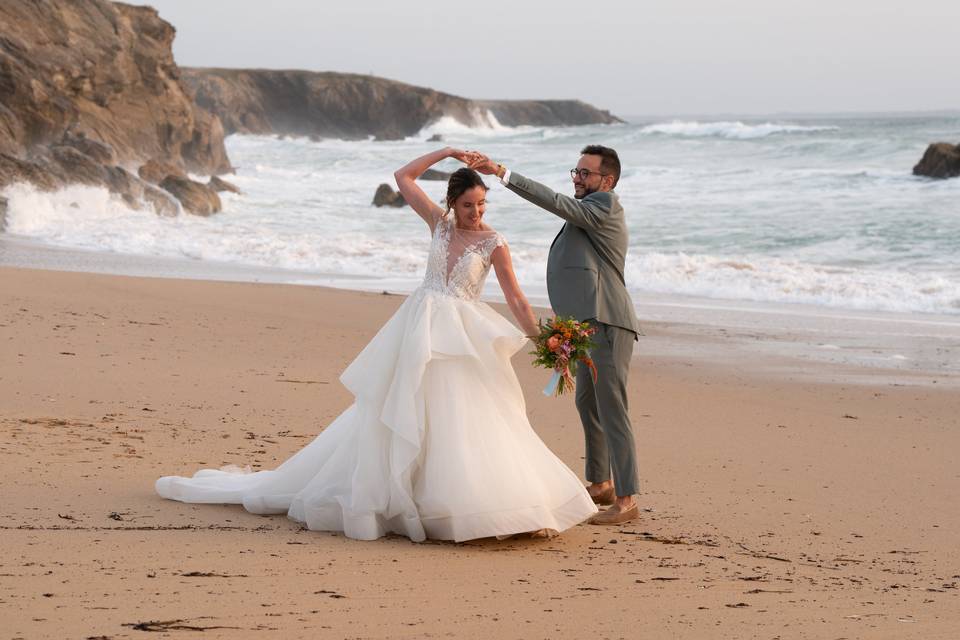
(562, 344)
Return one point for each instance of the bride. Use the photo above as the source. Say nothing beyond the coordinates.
(437, 443)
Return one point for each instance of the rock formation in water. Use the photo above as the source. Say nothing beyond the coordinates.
(349, 106)
(89, 89)
(385, 196)
(219, 184)
(154, 171)
(195, 197)
(941, 160)
(435, 174)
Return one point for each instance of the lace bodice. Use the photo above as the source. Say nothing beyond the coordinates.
(459, 260)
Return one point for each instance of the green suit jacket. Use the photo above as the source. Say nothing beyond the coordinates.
(586, 261)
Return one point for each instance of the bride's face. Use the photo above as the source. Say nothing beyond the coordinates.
(470, 207)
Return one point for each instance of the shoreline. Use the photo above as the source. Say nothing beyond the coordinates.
(786, 338)
(772, 505)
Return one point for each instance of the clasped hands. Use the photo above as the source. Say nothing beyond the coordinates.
(475, 160)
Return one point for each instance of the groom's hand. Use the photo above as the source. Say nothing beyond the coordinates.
(483, 164)
(466, 157)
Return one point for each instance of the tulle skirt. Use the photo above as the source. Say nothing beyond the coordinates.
(436, 445)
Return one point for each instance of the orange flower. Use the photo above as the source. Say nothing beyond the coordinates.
(592, 366)
(553, 343)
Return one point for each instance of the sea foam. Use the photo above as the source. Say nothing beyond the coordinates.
(841, 224)
(768, 279)
(728, 129)
(485, 125)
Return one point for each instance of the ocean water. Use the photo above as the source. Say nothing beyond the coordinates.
(822, 212)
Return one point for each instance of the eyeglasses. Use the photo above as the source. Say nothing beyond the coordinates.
(584, 173)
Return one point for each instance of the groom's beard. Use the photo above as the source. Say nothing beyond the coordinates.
(586, 191)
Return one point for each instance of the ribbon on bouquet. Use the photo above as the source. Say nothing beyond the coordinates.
(564, 375)
(559, 375)
(551, 388)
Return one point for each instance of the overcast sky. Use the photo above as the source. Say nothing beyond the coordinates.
(670, 57)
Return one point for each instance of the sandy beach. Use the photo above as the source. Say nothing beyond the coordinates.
(777, 505)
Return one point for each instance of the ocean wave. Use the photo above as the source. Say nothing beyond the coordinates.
(754, 226)
(769, 279)
(728, 129)
(485, 125)
(91, 218)
(32, 212)
(559, 134)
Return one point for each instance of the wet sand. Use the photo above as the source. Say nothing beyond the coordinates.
(793, 501)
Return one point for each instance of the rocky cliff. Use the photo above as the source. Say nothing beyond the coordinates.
(546, 113)
(340, 105)
(88, 91)
(105, 71)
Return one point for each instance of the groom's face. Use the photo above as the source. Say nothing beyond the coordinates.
(584, 186)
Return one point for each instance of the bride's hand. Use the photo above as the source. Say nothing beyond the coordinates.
(466, 157)
(482, 164)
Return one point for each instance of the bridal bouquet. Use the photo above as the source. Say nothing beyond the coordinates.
(563, 343)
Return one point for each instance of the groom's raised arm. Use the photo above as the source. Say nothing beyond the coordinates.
(588, 213)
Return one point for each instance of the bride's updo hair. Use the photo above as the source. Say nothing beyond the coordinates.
(461, 180)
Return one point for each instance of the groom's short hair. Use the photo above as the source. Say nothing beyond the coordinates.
(609, 160)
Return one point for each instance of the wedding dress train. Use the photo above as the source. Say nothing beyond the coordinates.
(437, 443)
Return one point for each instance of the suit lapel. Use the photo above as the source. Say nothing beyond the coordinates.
(564, 228)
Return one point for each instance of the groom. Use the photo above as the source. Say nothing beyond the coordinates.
(585, 280)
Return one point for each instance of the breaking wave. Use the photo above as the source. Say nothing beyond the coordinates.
(731, 130)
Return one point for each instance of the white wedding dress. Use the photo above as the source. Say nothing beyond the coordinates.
(437, 443)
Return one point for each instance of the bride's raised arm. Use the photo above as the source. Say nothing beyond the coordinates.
(406, 177)
(519, 306)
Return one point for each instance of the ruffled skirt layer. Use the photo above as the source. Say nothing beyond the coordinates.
(436, 445)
